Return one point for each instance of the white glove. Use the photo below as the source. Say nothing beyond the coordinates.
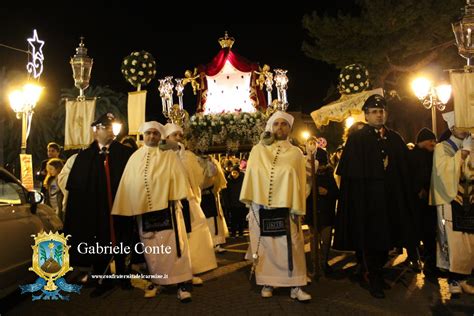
(467, 143)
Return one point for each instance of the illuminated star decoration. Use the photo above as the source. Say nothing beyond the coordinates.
(35, 66)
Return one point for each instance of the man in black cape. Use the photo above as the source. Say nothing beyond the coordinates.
(375, 207)
(92, 184)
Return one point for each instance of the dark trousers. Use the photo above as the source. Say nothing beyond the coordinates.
(374, 260)
(237, 219)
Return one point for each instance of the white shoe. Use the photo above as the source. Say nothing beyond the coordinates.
(197, 281)
(267, 291)
(184, 296)
(455, 287)
(219, 249)
(466, 288)
(151, 291)
(297, 293)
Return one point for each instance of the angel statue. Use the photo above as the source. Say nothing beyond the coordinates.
(264, 72)
(191, 78)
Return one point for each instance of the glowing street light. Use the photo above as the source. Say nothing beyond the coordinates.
(349, 121)
(22, 103)
(432, 97)
(305, 135)
(116, 128)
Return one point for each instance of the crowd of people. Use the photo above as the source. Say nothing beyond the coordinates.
(372, 195)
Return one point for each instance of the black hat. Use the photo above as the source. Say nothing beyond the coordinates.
(321, 156)
(105, 119)
(374, 101)
(425, 134)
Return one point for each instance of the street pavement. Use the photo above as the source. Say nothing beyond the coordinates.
(228, 291)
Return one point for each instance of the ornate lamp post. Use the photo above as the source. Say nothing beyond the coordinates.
(23, 102)
(432, 97)
(463, 29)
(81, 69)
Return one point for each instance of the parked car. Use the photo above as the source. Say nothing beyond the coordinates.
(21, 215)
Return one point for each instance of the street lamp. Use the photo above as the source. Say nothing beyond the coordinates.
(81, 69)
(432, 97)
(23, 102)
(463, 29)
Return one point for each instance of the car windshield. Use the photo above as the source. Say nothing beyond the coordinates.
(10, 193)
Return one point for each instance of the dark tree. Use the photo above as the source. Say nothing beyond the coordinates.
(391, 38)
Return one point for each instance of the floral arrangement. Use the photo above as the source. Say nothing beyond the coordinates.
(139, 68)
(230, 129)
(353, 78)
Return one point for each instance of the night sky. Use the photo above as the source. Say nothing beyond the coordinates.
(178, 43)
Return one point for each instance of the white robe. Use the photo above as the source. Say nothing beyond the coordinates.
(455, 250)
(287, 164)
(201, 244)
(151, 180)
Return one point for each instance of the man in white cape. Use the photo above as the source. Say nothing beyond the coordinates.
(151, 187)
(274, 189)
(452, 185)
(201, 244)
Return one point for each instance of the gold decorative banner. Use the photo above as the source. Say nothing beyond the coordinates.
(26, 166)
(78, 131)
(136, 110)
(341, 109)
(463, 94)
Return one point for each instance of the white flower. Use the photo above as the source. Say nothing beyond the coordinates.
(143, 65)
(132, 70)
(340, 76)
(193, 123)
(356, 88)
(134, 78)
(213, 124)
(154, 71)
(361, 84)
(347, 77)
(125, 62)
(134, 62)
(358, 76)
(150, 72)
(150, 65)
(145, 56)
(125, 72)
(143, 80)
(348, 90)
(140, 73)
(351, 85)
(136, 54)
(343, 80)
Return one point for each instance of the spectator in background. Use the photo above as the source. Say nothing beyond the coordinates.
(326, 198)
(421, 164)
(130, 142)
(53, 150)
(53, 195)
(237, 209)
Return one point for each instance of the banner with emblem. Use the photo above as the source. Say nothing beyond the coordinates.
(79, 116)
(463, 93)
(136, 110)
